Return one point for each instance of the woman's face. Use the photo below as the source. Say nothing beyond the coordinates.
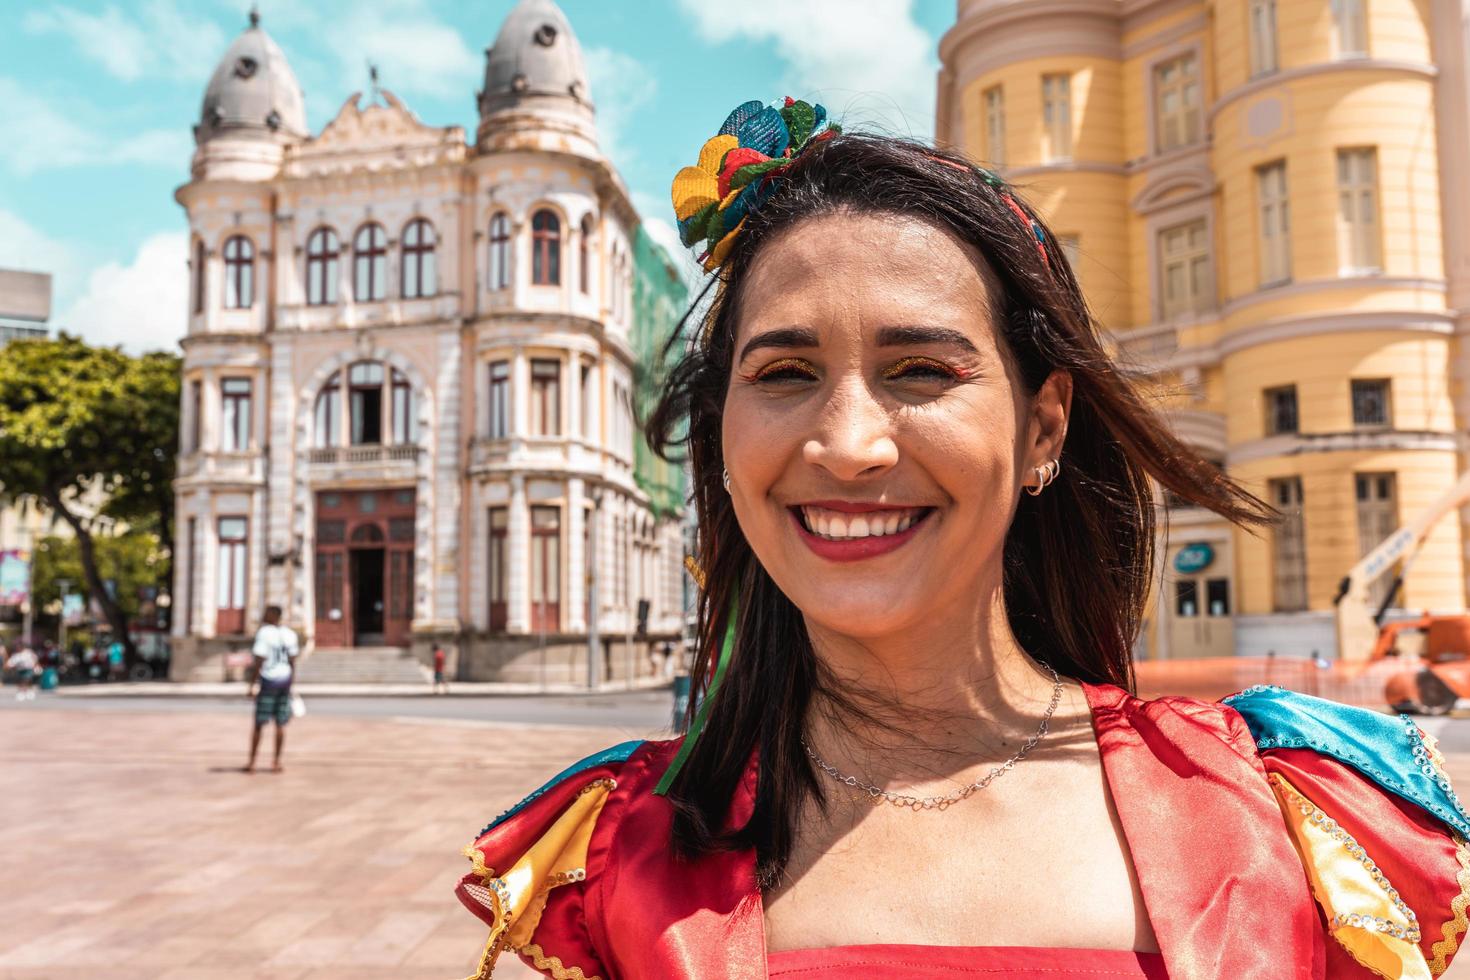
(875, 431)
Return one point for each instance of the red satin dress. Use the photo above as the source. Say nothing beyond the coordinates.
(992, 962)
(1273, 835)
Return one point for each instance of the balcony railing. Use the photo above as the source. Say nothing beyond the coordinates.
(363, 454)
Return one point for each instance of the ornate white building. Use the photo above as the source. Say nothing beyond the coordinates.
(408, 372)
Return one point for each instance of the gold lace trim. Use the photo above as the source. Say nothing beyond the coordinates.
(559, 970)
(1455, 927)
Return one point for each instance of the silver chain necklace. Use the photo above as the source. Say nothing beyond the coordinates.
(878, 796)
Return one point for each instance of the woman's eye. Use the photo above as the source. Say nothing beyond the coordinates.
(919, 369)
(785, 371)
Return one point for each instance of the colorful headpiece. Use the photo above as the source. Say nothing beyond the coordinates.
(737, 169)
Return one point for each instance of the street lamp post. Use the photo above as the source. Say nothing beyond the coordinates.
(594, 654)
(64, 586)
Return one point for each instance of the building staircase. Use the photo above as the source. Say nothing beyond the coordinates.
(362, 665)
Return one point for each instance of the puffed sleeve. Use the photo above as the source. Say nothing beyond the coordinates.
(530, 864)
(1379, 829)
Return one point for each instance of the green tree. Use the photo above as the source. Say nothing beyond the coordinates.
(77, 420)
(131, 559)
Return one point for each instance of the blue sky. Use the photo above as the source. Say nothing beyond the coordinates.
(97, 100)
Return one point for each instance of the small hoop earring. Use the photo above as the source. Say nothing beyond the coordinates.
(1046, 474)
(725, 479)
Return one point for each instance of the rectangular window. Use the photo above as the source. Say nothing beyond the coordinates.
(191, 561)
(1217, 597)
(1357, 209)
(545, 568)
(1350, 28)
(1056, 108)
(234, 414)
(230, 576)
(1184, 280)
(995, 126)
(499, 574)
(1289, 545)
(587, 394)
(1177, 112)
(1262, 37)
(199, 273)
(329, 575)
(1378, 517)
(1281, 414)
(1186, 598)
(1275, 223)
(499, 397)
(405, 423)
(545, 397)
(365, 402)
(196, 415)
(1370, 403)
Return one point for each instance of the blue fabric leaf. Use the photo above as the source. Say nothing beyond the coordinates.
(737, 117)
(821, 118)
(618, 753)
(1379, 746)
(765, 132)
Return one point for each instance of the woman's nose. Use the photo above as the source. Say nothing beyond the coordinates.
(854, 435)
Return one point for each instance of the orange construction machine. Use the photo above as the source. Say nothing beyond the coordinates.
(1442, 674)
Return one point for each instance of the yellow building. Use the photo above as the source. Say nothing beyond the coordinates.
(1252, 193)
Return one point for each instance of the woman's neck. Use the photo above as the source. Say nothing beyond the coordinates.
(957, 684)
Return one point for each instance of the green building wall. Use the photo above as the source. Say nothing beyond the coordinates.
(659, 300)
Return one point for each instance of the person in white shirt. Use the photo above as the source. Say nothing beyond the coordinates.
(274, 655)
(23, 663)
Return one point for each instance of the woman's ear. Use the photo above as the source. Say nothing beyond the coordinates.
(1050, 410)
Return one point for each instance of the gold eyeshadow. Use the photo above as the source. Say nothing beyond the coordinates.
(904, 363)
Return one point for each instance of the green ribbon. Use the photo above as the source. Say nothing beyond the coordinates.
(726, 649)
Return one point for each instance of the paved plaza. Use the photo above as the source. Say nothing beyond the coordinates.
(137, 850)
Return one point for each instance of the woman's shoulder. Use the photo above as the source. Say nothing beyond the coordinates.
(530, 864)
(1368, 803)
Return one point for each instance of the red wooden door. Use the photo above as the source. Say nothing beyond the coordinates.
(364, 527)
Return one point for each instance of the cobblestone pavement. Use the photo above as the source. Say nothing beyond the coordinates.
(137, 850)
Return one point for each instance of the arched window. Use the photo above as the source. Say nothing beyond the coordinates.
(239, 273)
(198, 275)
(418, 260)
(329, 411)
(370, 264)
(584, 255)
(499, 252)
(545, 249)
(322, 249)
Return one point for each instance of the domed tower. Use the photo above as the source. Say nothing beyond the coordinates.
(252, 109)
(536, 94)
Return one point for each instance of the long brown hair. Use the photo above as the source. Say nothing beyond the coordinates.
(1095, 524)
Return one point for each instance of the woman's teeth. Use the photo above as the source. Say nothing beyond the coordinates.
(837, 526)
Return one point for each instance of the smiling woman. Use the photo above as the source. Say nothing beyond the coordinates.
(926, 511)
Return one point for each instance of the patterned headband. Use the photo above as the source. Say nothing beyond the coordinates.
(738, 169)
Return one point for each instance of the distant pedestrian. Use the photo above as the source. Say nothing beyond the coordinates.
(441, 686)
(115, 669)
(273, 666)
(23, 663)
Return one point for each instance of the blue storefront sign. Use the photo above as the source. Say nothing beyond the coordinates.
(1193, 558)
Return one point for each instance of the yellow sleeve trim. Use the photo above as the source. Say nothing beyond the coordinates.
(1453, 929)
(1364, 911)
(517, 897)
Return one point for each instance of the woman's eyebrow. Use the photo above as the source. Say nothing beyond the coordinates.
(911, 335)
(785, 337)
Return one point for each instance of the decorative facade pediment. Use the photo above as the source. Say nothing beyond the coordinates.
(375, 138)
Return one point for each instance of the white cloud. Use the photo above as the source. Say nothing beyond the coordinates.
(28, 248)
(41, 135)
(621, 85)
(414, 51)
(158, 40)
(873, 70)
(142, 305)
